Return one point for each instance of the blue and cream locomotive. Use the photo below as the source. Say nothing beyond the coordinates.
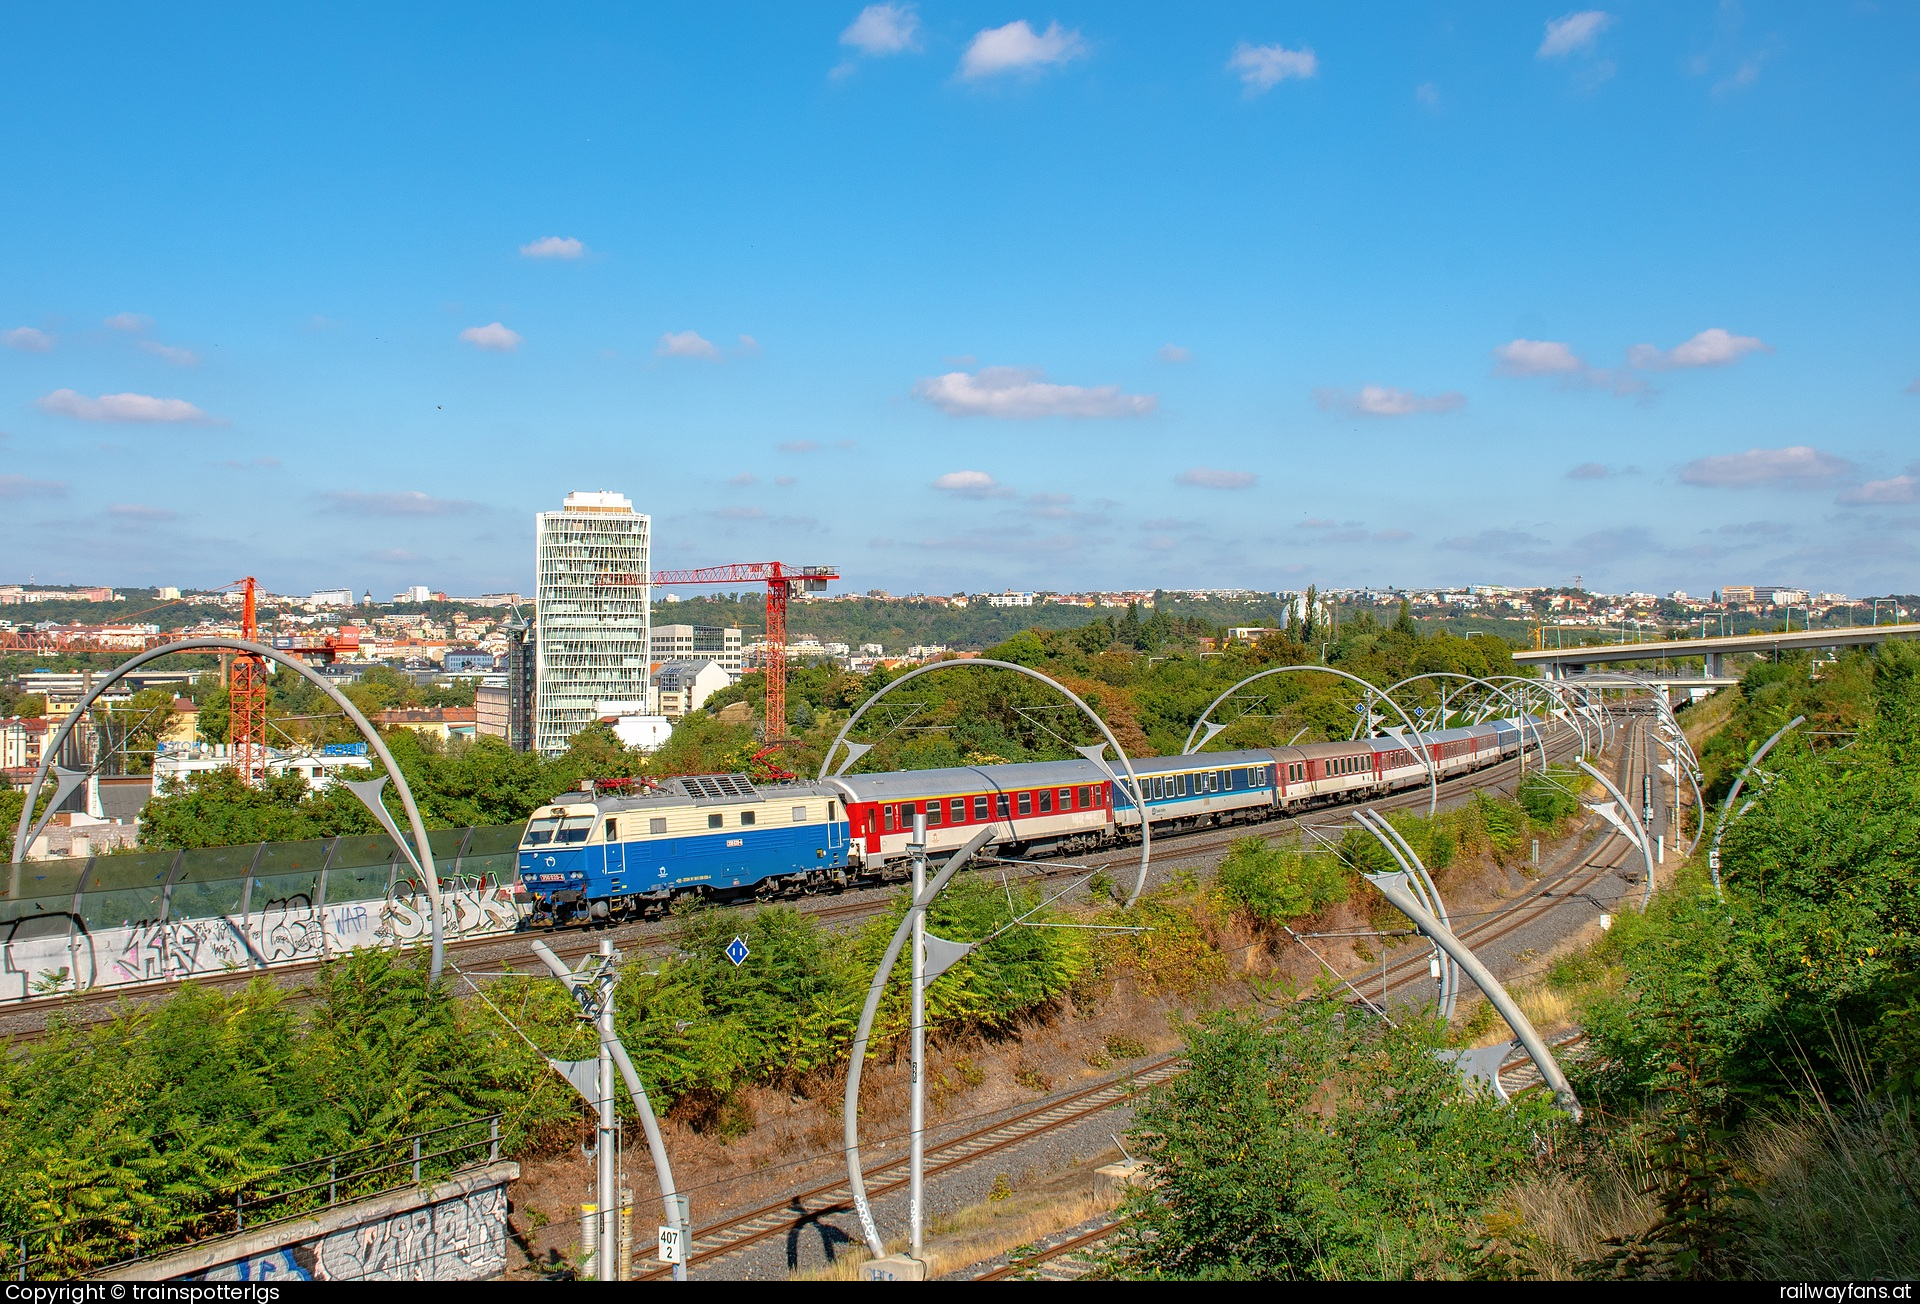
(716, 835)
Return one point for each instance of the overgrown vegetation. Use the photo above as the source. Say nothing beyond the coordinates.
(1755, 1053)
(1315, 1143)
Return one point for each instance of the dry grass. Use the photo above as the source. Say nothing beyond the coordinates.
(984, 1231)
(1549, 1225)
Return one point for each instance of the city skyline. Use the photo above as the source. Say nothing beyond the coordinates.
(961, 297)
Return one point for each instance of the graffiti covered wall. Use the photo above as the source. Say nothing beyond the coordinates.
(94, 940)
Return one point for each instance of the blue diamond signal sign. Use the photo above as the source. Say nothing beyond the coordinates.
(737, 951)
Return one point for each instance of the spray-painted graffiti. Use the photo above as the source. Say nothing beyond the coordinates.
(43, 955)
(461, 1239)
(53, 954)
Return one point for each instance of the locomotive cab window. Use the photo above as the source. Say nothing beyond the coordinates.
(613, 830)
(574, 828)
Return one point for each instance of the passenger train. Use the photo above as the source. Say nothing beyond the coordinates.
(588, 857)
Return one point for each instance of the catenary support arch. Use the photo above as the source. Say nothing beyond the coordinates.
(1433, 774)
(856, 750)
(22, 836)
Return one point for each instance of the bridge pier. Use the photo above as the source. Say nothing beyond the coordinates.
(1715, 665)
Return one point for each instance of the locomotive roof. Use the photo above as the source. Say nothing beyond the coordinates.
(682, 792)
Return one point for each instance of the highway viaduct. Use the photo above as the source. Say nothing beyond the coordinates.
(1563, 662)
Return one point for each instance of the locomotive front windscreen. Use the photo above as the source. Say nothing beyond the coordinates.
(549, 828)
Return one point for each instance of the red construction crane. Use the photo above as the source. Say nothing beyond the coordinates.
(781, 581)
(247, 699)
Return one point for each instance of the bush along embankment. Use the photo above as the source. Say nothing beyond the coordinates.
(1755, 1052)
(138, 1134)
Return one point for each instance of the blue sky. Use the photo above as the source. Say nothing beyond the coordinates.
(966, 295)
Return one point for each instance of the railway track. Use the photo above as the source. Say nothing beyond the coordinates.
(744, 1230)
(26, 1021)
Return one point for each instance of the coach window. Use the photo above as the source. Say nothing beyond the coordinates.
(1066, 799)
(715, 820)
(933, 812)
(746, 817)
(957, 808)
(1000, 805)
(1026, 803)
(1046, 801)
(1182, 781)
(613, 830)
(1086, 796)
(889, 812)
(980, 808)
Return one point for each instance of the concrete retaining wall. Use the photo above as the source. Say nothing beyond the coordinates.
(452, 1230)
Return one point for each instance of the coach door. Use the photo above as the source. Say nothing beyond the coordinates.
(616, 854)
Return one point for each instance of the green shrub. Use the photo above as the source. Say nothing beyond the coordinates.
(1313, 1145)
(1277, 885)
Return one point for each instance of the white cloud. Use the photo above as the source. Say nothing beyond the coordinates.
(1018, 48)
(1913, 386)
(1204, 477)
(743, 479)
(884, 29)
(1174, 353)
(1384, 401)
(1262, 67)
(1428, 94)
(1588, 471)
(749, 346)
(1019, 392)
(168, 353)
(493, 337)
(1710, 348)
(119, 407)
(686, 344)
(553, 246)
(407, 503)
(19, 486)
(1798, 467)
(800, 446)
(971, 484)
(1536, 358)
(129, 321)
(1574, 32)
(27, 339)
(141, 513)
(1898, 489)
